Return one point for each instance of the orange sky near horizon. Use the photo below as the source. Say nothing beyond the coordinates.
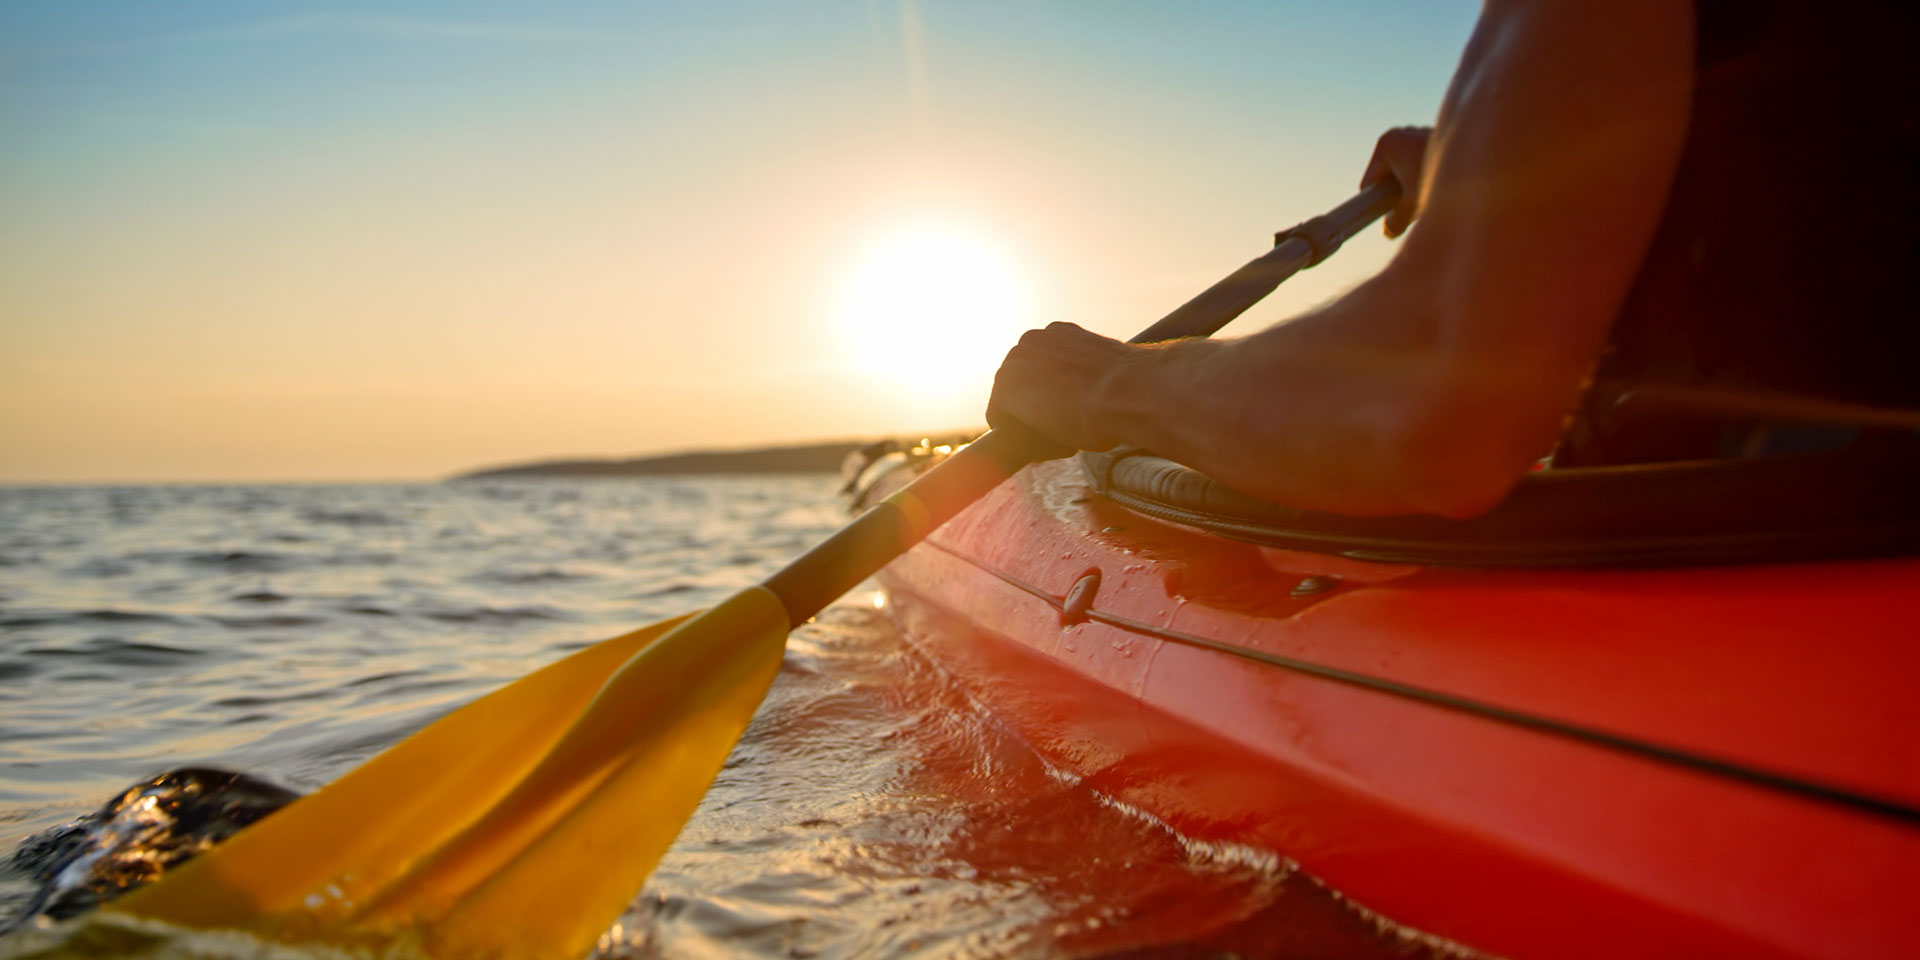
(259, 243)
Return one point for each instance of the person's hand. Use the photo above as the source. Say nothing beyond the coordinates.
(1057, 382)
(1399, 155)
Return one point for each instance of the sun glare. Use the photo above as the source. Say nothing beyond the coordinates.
(933, 306)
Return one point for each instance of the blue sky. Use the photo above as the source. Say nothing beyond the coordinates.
(298, 240)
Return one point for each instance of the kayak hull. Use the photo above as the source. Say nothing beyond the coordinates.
(1520, 761)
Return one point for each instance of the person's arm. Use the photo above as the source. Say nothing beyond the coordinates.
(1432, 387)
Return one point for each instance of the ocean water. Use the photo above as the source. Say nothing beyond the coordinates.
(871, 810)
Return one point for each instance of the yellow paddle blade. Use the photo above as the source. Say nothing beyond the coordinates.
(521, 824)
(392, 809)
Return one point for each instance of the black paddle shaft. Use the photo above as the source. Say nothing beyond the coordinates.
(859, 549)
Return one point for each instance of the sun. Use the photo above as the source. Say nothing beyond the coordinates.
(932, 305)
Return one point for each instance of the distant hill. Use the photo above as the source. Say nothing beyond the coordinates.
(811, 458)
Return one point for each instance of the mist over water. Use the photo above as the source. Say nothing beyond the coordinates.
(871, 810)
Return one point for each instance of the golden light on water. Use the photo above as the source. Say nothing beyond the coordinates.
(933, 306)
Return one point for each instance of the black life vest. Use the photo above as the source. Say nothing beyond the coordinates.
(1788, 257)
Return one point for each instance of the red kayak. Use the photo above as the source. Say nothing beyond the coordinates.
(1594, 739)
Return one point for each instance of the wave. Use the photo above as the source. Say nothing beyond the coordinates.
(120, 653)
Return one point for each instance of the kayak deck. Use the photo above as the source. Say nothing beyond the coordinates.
(1538, 763)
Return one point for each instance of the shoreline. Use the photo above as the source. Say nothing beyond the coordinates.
(821, 457)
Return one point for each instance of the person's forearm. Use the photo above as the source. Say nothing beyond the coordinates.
(1328, 412)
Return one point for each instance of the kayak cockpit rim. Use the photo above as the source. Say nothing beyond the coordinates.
(1845, 503)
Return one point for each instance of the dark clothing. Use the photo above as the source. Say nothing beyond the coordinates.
(1786, 260)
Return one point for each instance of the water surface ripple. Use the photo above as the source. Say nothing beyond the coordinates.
(871, 810)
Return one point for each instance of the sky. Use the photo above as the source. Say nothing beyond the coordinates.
(257, 241)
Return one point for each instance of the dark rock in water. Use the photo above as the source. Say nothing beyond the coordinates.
(137, 836)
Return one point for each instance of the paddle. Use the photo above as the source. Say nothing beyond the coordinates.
(522, 824)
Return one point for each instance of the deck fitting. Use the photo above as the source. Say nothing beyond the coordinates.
(1079, 599)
